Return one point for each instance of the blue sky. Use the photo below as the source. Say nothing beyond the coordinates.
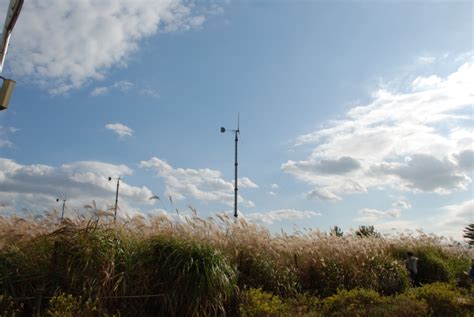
(351, 112)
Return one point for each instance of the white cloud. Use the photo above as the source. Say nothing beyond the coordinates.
(427, 82)
(37, 186)
(465, 160)
(5, 133)
(245, 182)
(274, 188)
(370, 215)
(376, 214)
(99, 91)
(454, 218)
(426, 173)
(150, 92)
(426, 59)
(401, 204)
(342, 165)
(398, 226)
(202, 184)
(270, 217)
(418, 140)
(122, 85)
(62, 44)
(119, 129)
(322, 193)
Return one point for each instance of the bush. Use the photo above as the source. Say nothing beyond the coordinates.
(443, 299)
(363, 302)
(303, 304)
(406, 306)
(257, 271)
(83, 262)
(190, 278)
(390, 276)
(436, 264)
(9, 308)
(255, 302)
(63, 305)
(381, 273)
(352, 303)
(432, 268)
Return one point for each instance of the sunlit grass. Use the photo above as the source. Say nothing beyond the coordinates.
(199, 266)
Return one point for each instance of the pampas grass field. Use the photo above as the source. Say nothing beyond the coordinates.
(155, 266)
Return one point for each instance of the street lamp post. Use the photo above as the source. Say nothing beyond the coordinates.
(236, 164)
(64, 206)
(13, 12)
(116, 196)
(8, 85)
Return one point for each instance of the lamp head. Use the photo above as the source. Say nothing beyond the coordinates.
(222, 129)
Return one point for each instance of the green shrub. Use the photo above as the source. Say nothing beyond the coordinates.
(190, 278)
(63, 305)
(257, 271)
(255, 302)
(390, 276)
(363, 302)
(355, 302)
(23, 267)
(436, 264)
(443, 299)
(380, 273)
(9, 308)
(405, 306)
(432, 268)
(83, 262)
(303, 304)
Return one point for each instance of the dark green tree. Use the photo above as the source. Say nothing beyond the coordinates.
(336, 231)
(367, 231)
(469, 233)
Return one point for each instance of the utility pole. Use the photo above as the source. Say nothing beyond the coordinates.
(236, 163)
(116, 197)
(64, 206)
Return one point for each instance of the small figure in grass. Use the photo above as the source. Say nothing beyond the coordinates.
(411, 264)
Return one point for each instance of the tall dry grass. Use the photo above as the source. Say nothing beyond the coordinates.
(199, 265)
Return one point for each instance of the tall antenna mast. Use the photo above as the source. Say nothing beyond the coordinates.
(236, 163)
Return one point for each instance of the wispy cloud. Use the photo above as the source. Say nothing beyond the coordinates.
(202, 184)
(150, 92)
(426, 59)
(122, 85)
(120, 129)
(420, 140)
(372, 215)
(273, 216)
(65, 44)
(5, 133)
